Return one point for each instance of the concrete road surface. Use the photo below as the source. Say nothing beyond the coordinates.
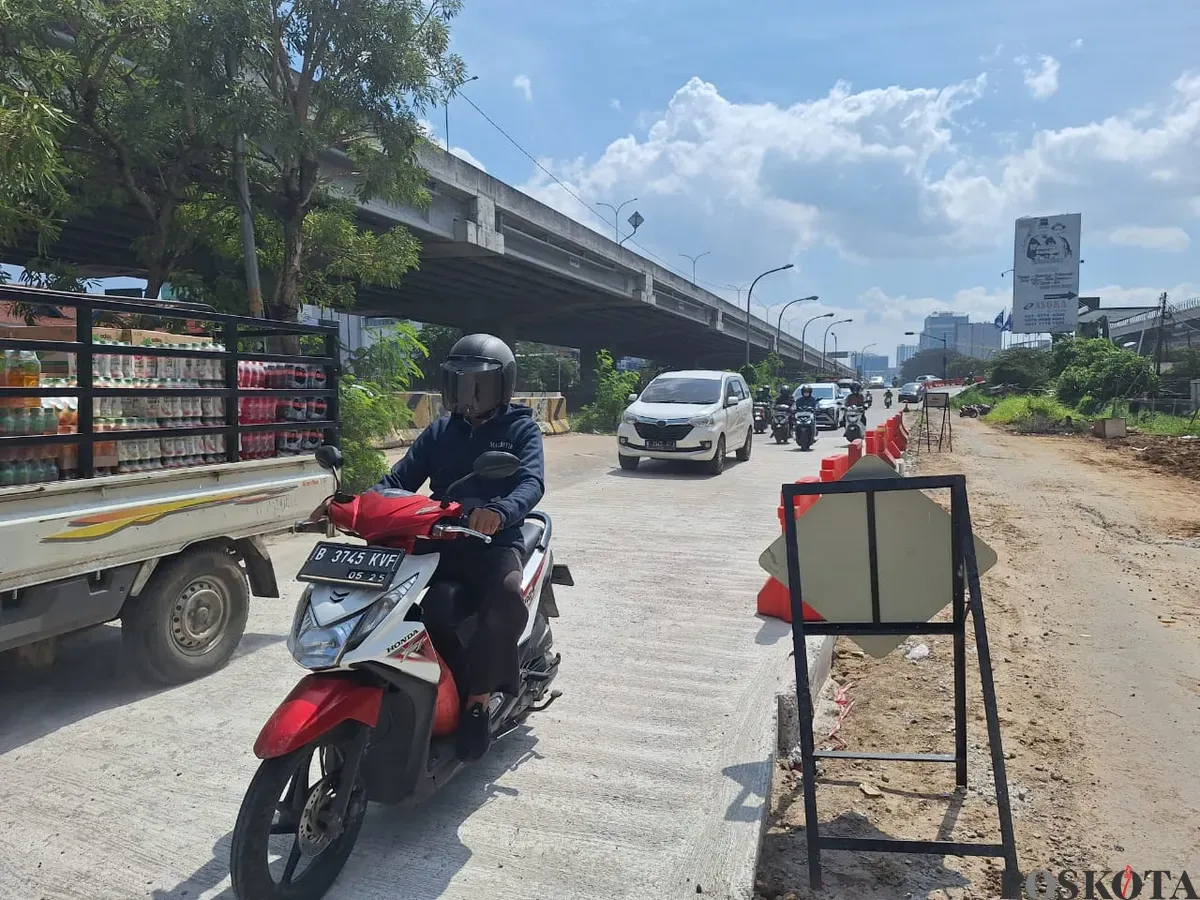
(645, 779)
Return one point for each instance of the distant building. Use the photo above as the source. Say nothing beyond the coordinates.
(939, 327)
(905, 352)
(977, 339)
(873, 364)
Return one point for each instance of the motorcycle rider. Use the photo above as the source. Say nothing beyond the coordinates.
(806, 400)
(478, 378)
(764, 394)
(887, 397)
(856, 398)
(785, 396)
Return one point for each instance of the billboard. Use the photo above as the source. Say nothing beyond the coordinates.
(1046, 274)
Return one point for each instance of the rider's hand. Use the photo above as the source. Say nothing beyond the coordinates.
(321, 511)
(485, 521)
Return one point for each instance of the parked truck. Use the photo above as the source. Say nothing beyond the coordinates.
(142, 469)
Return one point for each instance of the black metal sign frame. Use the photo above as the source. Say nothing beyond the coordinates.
(965, 582)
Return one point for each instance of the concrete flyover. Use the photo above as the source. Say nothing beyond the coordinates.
(495, 259)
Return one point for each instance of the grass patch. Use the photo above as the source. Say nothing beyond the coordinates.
(1033, 414)
(1161, 423)
(969, 397)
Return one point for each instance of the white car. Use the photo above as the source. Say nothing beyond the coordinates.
(921, 379)
(831, 405)
(876, 381)
(697, 415)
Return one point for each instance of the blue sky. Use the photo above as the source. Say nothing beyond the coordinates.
(883, 148)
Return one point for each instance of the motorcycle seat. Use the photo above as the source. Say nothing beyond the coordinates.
(531, 532)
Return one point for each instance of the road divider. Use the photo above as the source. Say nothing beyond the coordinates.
(888, 441)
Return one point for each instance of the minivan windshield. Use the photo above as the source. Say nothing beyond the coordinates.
(820, 391)
(682, 390)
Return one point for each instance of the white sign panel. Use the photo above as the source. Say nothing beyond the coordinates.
(1046, 275)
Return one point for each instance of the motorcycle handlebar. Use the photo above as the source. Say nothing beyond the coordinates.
(448, 528)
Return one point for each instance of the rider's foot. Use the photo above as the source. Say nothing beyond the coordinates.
(474, 732)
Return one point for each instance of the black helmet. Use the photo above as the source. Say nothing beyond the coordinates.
(783, 389)
(856, 388)
(478, 376)
(806, 389)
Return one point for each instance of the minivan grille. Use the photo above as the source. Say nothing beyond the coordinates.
(651, 431)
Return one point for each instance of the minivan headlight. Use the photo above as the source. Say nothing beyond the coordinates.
(702, 421)
(629, 418)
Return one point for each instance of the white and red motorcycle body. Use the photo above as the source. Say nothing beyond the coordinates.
(385, 643)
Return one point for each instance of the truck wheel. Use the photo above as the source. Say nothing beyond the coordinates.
(188, 619)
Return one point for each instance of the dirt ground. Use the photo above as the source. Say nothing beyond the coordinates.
(1094, 623)
(1177, 456)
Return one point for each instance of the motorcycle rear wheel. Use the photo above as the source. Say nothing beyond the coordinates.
(299, 805)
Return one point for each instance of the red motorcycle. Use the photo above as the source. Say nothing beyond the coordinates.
(385, 643)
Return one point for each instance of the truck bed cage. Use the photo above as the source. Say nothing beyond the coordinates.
(231, 331)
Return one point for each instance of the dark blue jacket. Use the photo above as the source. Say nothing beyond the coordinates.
(446, 450)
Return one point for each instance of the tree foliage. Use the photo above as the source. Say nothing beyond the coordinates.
(926, 362)
(542, 368)
(613, 388)
(1021, 366)
(1093, 372)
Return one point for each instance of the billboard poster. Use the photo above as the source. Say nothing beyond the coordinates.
(1046, 274)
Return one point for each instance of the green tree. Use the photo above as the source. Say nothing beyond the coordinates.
(1097, 372)
(613, 388)
(33, 174)
(392, 359)
(438, 339)
(1023, 366)
(961, 365)
(132, 91)
(541, 367)
(926, 362)
(332, 78)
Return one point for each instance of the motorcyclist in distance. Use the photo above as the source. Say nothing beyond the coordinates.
(763, 394)
(856, 398)
(785, 396)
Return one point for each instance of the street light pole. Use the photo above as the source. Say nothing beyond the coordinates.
(749, 294)
(617, 215)
(693, 259)
(825, 342)
(860, 368)
(934, 337)
(804, 330)
(779, 323)
(446, 106)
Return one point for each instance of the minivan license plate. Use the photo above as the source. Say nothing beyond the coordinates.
(660, 445)
(351, 564)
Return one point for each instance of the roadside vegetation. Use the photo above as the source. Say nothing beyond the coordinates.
(1077, 381)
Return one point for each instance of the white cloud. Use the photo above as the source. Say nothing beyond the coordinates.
(881, 175)
(524, 85)
(1042, 83)
(614, 103)
(1170, 240)
(1077, 43)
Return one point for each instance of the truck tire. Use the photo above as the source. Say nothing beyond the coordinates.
(188, 619)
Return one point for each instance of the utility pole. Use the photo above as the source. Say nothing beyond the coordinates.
(1162, 325)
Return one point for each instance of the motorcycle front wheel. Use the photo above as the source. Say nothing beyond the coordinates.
(283, 846)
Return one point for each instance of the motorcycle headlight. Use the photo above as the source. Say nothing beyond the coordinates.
(702, 421)
(629, 418)
(378, 611)
(317, 647)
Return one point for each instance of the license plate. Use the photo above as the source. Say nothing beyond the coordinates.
(660, 445)
(349, 564)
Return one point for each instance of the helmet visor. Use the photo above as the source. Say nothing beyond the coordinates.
(472, 385)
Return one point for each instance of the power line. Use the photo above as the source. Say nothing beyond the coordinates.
(662, 262)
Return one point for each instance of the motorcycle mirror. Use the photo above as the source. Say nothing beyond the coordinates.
(329, 457)
(495, 464)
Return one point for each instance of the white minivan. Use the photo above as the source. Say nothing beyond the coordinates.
(697, 415)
